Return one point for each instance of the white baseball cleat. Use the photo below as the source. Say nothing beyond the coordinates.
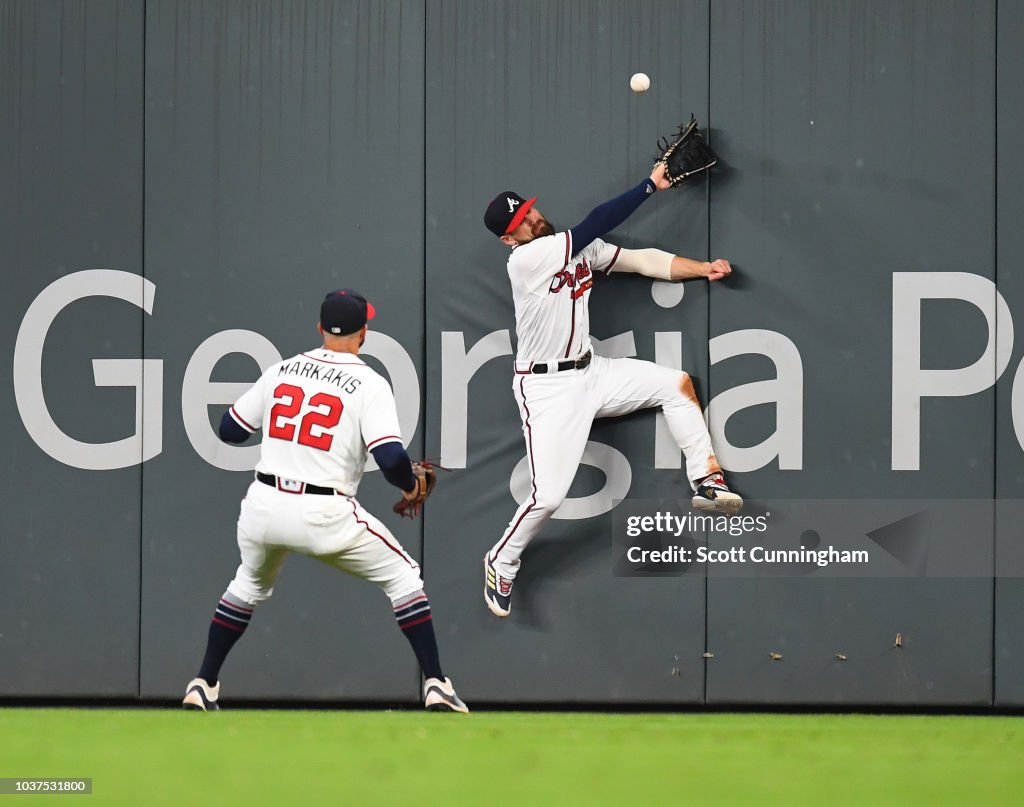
(439, 696)
(713, 495)
(200, 696)
(497, 590)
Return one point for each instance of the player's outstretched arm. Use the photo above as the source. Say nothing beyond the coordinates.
(661, 265)
(685, 269)
(606, 217)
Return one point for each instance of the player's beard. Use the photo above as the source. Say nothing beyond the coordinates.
(543, 228)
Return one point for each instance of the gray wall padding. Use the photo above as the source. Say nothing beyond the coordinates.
(220, 167)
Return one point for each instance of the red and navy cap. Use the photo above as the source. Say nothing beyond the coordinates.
(506, 212)
(344, 312)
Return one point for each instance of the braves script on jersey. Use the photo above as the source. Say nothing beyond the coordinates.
(552, 315)
(321, 412)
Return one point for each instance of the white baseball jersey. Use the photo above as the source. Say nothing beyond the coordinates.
(551, 289)
(321, 411)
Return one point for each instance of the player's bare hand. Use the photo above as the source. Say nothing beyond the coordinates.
(718, 269)
(661, 182)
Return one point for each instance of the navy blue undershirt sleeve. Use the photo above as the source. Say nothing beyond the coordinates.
(395, 464)
(606, 217)
(230, 431)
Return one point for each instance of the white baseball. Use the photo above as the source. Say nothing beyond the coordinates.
(640, 82)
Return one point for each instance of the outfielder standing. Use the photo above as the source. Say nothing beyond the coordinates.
(561, 386)
(321, 411)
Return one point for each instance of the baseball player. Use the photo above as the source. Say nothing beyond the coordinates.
(561, 385)
(321, 411)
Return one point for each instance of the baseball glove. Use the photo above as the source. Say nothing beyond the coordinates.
(685, 154)
(411, 503)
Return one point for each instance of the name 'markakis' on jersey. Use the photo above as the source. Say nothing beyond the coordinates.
(318, 371)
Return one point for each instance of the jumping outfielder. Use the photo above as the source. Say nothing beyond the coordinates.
(321, 411)
(561, 386)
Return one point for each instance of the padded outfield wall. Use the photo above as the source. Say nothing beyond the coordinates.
(180, 182)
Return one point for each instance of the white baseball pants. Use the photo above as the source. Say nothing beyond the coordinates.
(333, 529)
(558, 409)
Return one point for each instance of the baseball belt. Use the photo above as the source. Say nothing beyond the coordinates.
(569, 364)
(270, 479)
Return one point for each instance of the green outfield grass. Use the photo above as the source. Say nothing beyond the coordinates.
(152, 757)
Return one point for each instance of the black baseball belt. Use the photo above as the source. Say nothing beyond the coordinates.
(569, 364)
(270, 479)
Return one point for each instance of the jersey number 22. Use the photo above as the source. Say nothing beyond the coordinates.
(323, 415)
